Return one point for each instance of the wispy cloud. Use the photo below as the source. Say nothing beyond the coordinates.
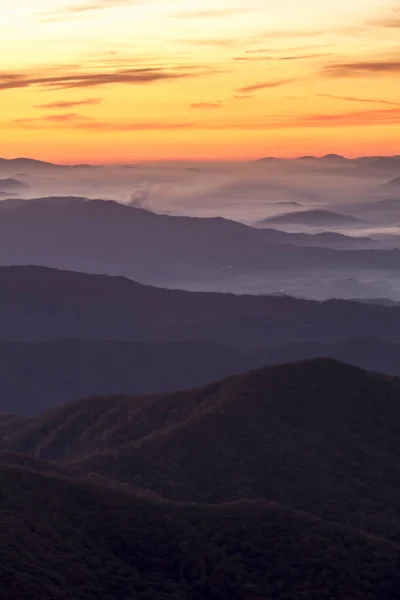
(70, 103)
(390, 19)
(59, 118)
(243, 97)
(348, 119)
(255, 87)
(260, 57)
(218, 42)
(357, 99)
(210, 14)
(206, 105)
(360, 68)
(356, 118)
(87, 79)
(81, 10)
(82, 122)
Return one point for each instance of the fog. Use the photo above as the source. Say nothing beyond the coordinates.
(362, 194)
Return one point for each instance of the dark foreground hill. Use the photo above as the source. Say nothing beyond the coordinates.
(319, 436)
(66, 539)
(37, 377)
(38, 304)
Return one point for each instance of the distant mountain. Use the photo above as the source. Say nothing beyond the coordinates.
(8, 195)
(11, 184)
(379, 164)
(313, 217)
(24, 164)
(326, 239)
(369, 353)
(318, 436)
(389, 203)
(394, 183)
(67, 538)
(37, 377)
(160, 249)
(335, 157)
(46, 201)
(38, 304)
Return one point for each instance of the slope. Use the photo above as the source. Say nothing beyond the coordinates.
(319, 436)
(159, 249)
(38, 304)
(59, 545)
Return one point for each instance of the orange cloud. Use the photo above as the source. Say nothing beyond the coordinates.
(362, 100)
(363, 68)
(89, 79)
(70, 103)
(206, 105)
(264, 85)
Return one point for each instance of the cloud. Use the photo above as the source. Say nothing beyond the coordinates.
(365, 117)
(279, 58)
(77, 10)
(81, 122)
(219, 42)
(70, 103)
(243, 97)
(88, 79)
(207, 105)
(363, 68)
(378, 117)
(264, 85)
(356, 99)
(59, 118)
(206, 14)
(391, 20)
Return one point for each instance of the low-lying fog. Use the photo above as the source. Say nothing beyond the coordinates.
(354, 197)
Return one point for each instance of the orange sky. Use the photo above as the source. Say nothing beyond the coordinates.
(126, 80)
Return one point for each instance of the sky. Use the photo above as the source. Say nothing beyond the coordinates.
(107, 81)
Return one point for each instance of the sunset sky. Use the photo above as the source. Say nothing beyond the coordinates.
(120, 81)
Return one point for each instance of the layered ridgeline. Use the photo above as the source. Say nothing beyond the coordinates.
(106, 237)
(280, 483)
(68, 335)
(39, 304)
(35, 377)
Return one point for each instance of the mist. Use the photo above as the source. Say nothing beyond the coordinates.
(359, 199)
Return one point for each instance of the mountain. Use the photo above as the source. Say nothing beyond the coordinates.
(394, 183)
(11, 185)
(325, 239)
(318, 436)
(369, 353)
(39, 304)
(72, 539)
(37, 377)
(50, 200)
(160, 249)
(22, 163)
(313, 217)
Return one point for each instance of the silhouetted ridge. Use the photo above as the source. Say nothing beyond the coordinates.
(38, 304)
(320, 436)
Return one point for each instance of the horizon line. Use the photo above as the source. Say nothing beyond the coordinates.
(199, 160)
